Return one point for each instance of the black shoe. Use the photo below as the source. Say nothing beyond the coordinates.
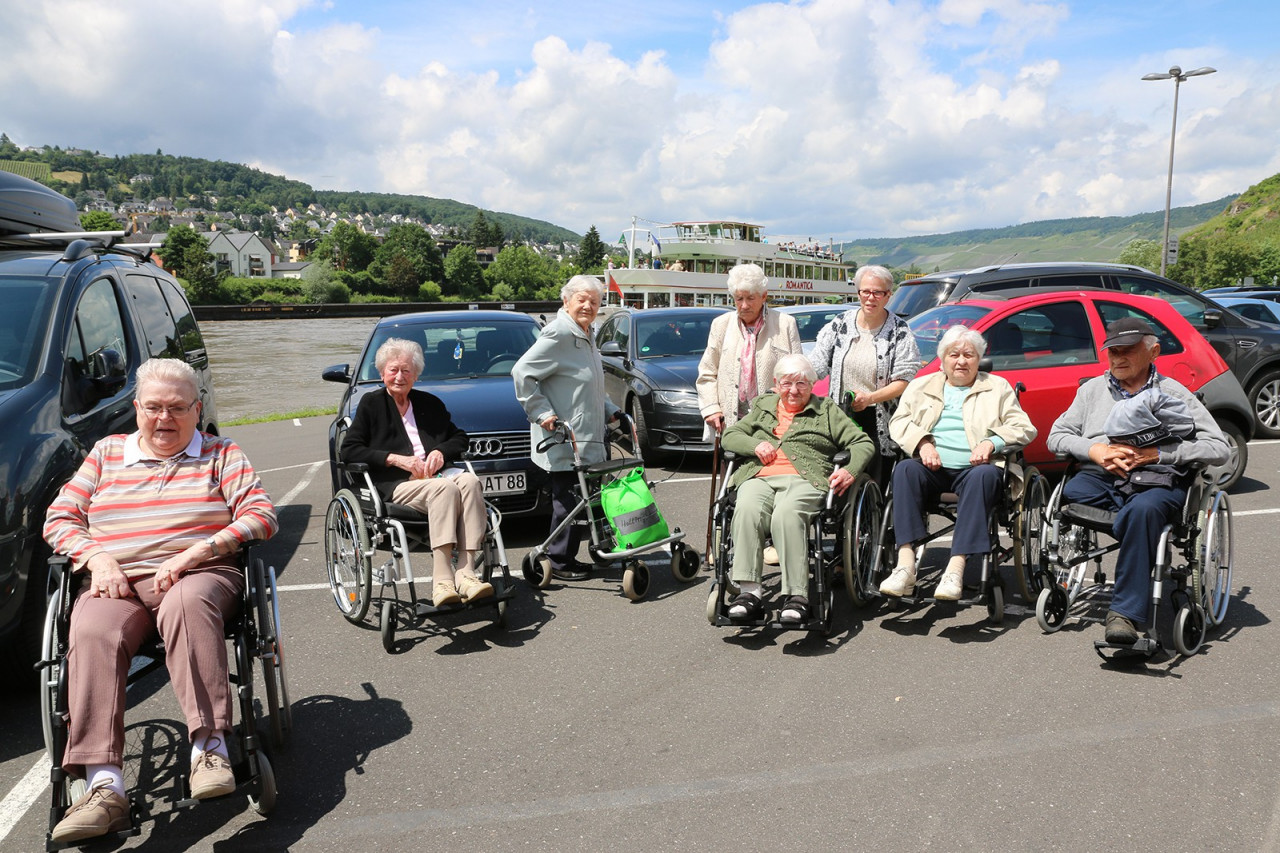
(795, 610)
(1120, 629)
(746, 606)
(572, 572)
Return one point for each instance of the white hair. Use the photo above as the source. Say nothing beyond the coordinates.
(960, 334)
(748, 279)
(167, 371)
(579, 283)
(874, 271)
(795, 364)
(392, 347)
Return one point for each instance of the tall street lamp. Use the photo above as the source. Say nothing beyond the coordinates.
(1177, 75)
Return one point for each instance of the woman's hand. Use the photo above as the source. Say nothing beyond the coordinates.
(548, 423)
(981, 454)
(715, 421)
(176, 566)
(840, 480)
(929, 456)
(433, 463)
(766, 452)
(106, 578)
(860, 400)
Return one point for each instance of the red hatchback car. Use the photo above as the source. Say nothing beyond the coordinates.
(1051, 342)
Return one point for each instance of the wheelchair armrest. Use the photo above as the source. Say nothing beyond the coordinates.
(729, 455)
(841, 459)
(354, 467)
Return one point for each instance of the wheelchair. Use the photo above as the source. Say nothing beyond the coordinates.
(359, 521)
(602, 545)
(1194, 552)
(833, 539)
(256, 636)
(873, 545)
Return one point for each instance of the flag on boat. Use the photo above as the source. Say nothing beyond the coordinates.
(653, 240)
(622, 239)
(612, 285)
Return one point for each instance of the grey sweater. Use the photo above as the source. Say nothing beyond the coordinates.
(1082, 425)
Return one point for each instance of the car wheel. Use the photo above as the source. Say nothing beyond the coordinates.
(1227, 475)
(643, 450)
(1264, 397)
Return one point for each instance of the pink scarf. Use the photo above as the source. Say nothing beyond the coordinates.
(747, 363)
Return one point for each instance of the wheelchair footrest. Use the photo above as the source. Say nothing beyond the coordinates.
(426, 608)
(1145, 647)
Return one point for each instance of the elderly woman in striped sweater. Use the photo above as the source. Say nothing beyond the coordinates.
(152, 522)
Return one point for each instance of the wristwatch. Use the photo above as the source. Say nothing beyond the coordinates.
(213, 545)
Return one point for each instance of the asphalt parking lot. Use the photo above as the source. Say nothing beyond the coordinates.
(592, 722)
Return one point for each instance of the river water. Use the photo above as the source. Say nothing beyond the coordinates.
(268, 367)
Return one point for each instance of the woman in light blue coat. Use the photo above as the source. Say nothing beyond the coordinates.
(560, 378)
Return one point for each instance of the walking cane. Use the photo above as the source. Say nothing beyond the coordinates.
(715, 478)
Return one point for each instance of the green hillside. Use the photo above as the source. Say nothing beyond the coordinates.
(1254, 214)
(1089, 238)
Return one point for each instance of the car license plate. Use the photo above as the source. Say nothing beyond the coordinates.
(506, 483)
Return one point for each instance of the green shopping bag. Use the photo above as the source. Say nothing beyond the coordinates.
(629, 506)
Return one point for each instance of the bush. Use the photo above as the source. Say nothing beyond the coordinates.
(368, 298)
(429, 291)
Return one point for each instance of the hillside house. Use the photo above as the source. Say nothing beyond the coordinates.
(242, 253)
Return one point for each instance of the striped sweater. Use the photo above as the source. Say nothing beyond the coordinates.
(149, 510)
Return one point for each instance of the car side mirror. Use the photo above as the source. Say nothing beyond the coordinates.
(1212, 318)
(612, 348)
(109, 372)
(337, 373)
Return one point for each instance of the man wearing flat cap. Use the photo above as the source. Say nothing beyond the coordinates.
(1138, 434)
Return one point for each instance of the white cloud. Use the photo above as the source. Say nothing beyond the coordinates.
(826, 117)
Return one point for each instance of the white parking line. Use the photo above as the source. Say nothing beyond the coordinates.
(28, 789)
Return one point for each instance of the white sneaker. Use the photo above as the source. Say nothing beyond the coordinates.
(771, 556)
(901, 582)
(950, 588)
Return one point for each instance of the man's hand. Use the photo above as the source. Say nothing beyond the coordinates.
(1121, 458)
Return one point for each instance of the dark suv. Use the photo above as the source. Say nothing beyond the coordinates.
(79, 316)
(1251, 349)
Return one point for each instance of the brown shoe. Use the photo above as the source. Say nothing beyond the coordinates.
(443, 592)
(211, 776)
(472, 588)
(99, 811)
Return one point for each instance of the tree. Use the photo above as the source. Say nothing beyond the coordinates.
(350, 248)
(523, 270)
(186, 254)
(484, 233)
(98, 220)
(401, 278)
(591, 250)
(462, 273)
(1141, 253)
(413, 244)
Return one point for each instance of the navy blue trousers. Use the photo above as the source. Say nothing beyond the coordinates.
(1140, 518)
(915, 487)
(563, 550)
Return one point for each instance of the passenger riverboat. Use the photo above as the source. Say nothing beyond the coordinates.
(691, 262)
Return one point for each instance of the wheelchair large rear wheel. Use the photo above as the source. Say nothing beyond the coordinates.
(347, 556)
(1214, 548)
(1028, 534)
(271, 653)
(861, 526)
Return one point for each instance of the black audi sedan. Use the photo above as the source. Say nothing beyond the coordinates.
(469, 356)
(650, 365)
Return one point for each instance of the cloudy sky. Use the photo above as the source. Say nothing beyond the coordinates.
(816, 118)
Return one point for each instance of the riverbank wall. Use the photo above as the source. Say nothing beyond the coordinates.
(361, 309)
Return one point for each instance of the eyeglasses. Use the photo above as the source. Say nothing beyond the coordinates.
(153, 411)
(873, 294)
(798, 385)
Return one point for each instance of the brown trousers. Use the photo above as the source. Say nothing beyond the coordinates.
(454, 507)
(107, 632)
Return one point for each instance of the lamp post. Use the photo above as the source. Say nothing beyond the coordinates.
(1177, 75)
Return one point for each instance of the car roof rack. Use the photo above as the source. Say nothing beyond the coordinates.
(76, 244)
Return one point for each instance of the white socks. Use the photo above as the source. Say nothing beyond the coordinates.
(213, 741)
(753, 587)
(105, 776)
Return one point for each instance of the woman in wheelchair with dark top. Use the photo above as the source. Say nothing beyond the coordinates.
(407, 439)
(153, 521)
(788, 440)
(951, 425)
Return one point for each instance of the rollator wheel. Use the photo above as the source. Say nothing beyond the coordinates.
(265, 800)
(1051, 608)
(684, 562)
(1189, 629)
(995, 604)
(388, 626)
(346, 545)
(635, 581)
(536, 573)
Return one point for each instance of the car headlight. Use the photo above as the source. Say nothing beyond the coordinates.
(677, 399)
